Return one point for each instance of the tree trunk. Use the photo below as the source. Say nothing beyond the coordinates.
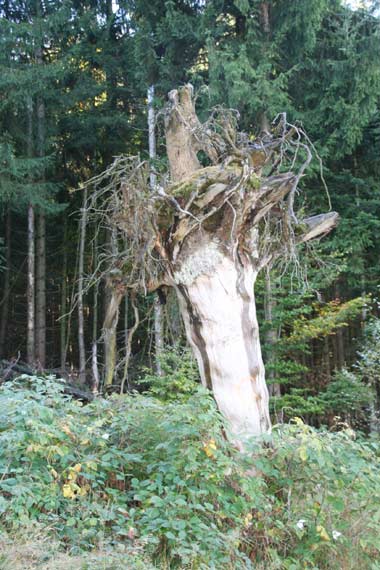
(30, 338)
(158, 333)
(326, 358)
(41, 227)
(95, 367)
(129, 334)
(363, 274)
(63, 316)
(216, 295)
(81, 341)
(208, 233)
(30, 341)
(271, 334)
(7, 283)
(214, 253)
(265, 17)
(158, 312)
(218, 307)
(116, 292)
(41, 291)
(340, 360)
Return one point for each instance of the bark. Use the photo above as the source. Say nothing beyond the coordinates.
(116, 291)
(129, 334)
(30, 340)
(7, 283)
(30, 348)
(363, 275)
(81, 340)
(95, 367)
(271, 334)
(158, 312)
(218, 307)
(340, 359)
(63, 315)
(158, 333)
(41, 291)
(41, 228)
(265, 17)
(326, 358)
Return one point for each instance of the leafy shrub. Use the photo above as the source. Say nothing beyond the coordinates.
(160, 481)
(179, 378)
(347, 397)
(368, 367)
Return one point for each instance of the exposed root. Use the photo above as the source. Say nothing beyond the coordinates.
(246, 196)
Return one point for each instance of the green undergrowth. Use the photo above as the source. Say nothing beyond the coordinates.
(132, 482)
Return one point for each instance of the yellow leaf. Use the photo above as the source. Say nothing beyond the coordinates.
(77, 467)
(303, 453)
(68, 492)
(54, 473)
(209, 447)
(298, 421)
(84, 490)
(322, 533)
(65, 428)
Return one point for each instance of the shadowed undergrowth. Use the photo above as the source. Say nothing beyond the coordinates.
(131, 482)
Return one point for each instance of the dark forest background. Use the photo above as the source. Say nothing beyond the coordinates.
(73, 94)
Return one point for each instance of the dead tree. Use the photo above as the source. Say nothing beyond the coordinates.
(207, 231)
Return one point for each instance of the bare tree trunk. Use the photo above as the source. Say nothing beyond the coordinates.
(41, 291)
(271, 335)
(265, 17)
(81, 340)
(41, 227)
(209, 232)
(63, 317)
(326, 357)
(340, 356)
(114, 293)
(216, 296)
(158, 311)
(7, 283)
(213, 266)
(158, 333)
(363, 276)
(95, 368)
(117, 292)
(129, 333)
(218, 307)
(174, 321)
(30, 340)
(30, 358)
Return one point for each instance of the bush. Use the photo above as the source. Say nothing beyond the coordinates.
(160, 481)
(179, 378)
(346, 397)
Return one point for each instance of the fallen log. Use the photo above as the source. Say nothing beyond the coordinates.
(10, 370)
